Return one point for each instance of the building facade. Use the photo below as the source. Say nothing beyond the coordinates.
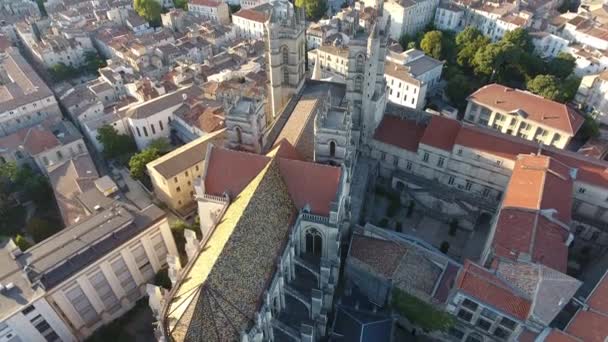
(65, 296)
(523, 114)
(174, 174)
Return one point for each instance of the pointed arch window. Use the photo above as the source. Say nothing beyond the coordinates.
(314, 242)
(358, 84)
(285, 53)
(332, 148)
(239, 135)
(285, 75)
(360, 63)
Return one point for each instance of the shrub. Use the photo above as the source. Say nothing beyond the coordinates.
(162, 279)
(383, 223)
(22, 243)
(420, 313)
(453, 227)
(392, 208)
(40, 229)
(445, 246)
(410, 209)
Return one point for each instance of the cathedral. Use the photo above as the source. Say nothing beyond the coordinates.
(274, 201)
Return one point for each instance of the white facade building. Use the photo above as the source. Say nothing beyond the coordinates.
(407, 17)
(63, 288)
(210, 9)
(249, 23)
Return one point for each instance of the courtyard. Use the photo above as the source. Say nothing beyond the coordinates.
(389, 209)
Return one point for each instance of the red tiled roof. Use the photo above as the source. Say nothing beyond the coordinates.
(536, 108)
(249, 14)
(399, 132)
(286, 150)
(509, 147)
(598, 300)
(560, 336)
(589, 326)
(540, 182)
(488, 288)
(441, 133)
(527, 336)
(520, 231)
(380, 255)
(308, 183)
(230, 171)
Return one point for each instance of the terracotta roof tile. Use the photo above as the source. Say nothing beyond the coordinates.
(519, 231)
(441, 133)
(382, 256)
(590, 326)
(536, 108)
(311, 184)
(398, 132)
(488, 288)
(230, 171)
(560, 336)
(250, 14)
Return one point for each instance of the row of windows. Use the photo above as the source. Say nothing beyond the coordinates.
(144, 128)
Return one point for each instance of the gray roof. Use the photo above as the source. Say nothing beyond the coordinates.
(422, 64)
(19, 84)
(156, 105)
(64, 254)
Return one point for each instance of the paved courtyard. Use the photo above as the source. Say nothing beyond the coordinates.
(426, 226)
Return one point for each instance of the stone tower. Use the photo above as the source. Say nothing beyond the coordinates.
(286, 51)
(365, 83)
(245, 123)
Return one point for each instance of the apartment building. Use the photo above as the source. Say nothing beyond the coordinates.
(449, 17)
(26, 99)
(408, 16)
(249, 22)
(410, 77)
(523, 114)
(174, 174)
(85, 276)
(217, 11)
(548, 45)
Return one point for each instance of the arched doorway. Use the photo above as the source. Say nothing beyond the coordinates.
(314, 242)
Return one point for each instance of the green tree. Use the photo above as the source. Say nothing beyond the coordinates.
(520, 38)
(93, 62)
(161, 144)
(114, 144)
(492, 61)
(420, 313)
(234, 8)
(41, 8)
(458, 88)
(137, 163)
(315, 9)
(22, 242)
(590, 128)
(405, 41)
(432, 44)
(570, 87)
(547, 86)
(183, 4)
(467, 36)
(149, 10)
(62, 72)
(40, 229)
(562, 65)
(466, 52)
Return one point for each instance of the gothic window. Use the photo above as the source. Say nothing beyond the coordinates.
(314, 242)
(332, 148)
(239, 135)
(360, 66)
(285, 75)
(358, 83)
(285, 53)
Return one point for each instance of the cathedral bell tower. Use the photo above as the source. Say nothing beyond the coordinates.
(286, 49)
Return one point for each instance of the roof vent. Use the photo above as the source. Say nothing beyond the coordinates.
(508, 90)
(97, 207)
(184, 96)
(9, 286)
